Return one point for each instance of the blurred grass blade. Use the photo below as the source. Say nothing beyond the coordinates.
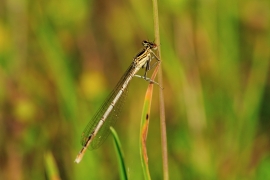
(144, 126)
(51, 167)
(120, 155)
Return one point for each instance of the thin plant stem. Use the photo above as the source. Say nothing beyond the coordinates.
(161, 97)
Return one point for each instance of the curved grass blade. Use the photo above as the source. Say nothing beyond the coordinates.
(144, 126)
(120, 155)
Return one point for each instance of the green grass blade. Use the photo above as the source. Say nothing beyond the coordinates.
(51, 167)
(120, 155)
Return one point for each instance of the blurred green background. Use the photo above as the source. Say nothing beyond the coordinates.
(60, 59)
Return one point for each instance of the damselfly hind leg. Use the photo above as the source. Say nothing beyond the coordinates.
(148, 79)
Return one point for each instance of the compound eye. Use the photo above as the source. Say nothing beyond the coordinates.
(145, 43)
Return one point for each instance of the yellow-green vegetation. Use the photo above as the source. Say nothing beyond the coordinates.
(60, 59)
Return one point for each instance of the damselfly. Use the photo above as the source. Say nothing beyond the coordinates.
(98, 128)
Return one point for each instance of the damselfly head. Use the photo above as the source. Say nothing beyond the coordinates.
(149, 44)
